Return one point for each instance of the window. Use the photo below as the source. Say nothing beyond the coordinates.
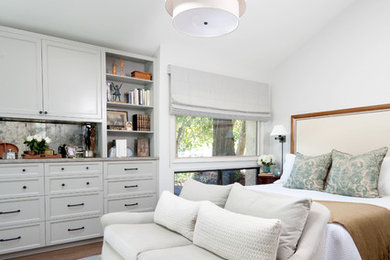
(209, 137)
(220, 177)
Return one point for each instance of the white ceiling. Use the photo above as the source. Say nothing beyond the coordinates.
(269, 31)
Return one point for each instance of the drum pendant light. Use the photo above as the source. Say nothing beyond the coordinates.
(205, 18)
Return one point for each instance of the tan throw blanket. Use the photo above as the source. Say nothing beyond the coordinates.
(368, 225)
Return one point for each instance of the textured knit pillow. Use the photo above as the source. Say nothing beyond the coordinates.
(234, 236)
(355, 176)
(195, 190)
(309, 172)
(292, 211)
(177, 214)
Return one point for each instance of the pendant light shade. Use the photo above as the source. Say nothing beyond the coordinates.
(205, 18)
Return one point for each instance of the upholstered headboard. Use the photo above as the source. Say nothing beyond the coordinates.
(355, 130)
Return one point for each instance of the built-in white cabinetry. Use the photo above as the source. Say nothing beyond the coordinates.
(20, 75)
(43, 204)
(49, 79)
(71, 80)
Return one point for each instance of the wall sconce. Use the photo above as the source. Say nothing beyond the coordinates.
(280, 132)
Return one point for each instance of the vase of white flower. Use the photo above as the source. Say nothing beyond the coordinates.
(266, 160)
(37, 144)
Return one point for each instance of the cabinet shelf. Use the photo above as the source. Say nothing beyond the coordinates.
(127, 79)
(127, 106)
(128, 132)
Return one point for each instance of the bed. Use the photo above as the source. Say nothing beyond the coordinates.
(354, 131)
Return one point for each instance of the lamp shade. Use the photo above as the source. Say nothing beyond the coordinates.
(279, 130)
(205, 18)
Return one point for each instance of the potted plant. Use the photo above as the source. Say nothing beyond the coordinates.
(266, 160)
(37, 144)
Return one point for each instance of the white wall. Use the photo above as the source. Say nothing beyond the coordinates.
(206, 60)
(345, 65)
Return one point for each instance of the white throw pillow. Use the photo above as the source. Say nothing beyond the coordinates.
(235, 236)
(177, 214)
(292, 211)
(287, 167)
(197, 191)
(384, 178)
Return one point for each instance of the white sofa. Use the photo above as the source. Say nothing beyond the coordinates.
(133, 236)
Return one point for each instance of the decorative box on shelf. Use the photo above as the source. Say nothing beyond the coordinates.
(141, 75)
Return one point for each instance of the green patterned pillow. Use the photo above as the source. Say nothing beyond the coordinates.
(355, 176)
(309, 172)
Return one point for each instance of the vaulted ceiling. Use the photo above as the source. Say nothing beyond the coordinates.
(269, 31)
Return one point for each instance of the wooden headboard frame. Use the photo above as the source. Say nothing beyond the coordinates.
(294, 118)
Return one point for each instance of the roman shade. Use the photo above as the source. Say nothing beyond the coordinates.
(197, 93)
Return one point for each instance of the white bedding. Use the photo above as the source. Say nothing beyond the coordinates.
(339, 244)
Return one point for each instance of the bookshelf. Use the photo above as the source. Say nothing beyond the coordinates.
(136, 98)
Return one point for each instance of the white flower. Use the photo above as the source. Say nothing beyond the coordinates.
(266, 159)
(38, 138)
(29, 138)
(47, 139)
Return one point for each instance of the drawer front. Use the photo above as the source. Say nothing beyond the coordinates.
(71, 206)
(22, 238)
(74, 184)
(67, 231)
(73, 168)
(11, 188)
(130, 169)
(13, 212)
(146, 203)
(123, 187)
(21, 170)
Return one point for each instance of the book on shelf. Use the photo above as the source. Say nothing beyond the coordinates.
(140, 97)
(141, 122)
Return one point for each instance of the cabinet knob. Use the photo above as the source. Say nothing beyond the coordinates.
(87, 182)
(87, 168)
(45, 112)
(40, 112)
(23, 170)
(63, 185)
(62, 169)
(24, 187)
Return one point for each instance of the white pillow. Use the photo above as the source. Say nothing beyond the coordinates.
(195, 190)
(176, 214)
(287, 168)
(384, 178)
(292, 211)
(235, 236)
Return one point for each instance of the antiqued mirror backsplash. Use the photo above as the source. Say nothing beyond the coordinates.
(16, 132)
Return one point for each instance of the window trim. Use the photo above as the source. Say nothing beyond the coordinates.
(221, 162)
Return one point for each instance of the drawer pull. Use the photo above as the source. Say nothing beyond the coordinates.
(131, 169)
(87, 183)
(75, 205)
(10, 239)
(63, 185)
(23, 170)
(131, 205)
(75, 229)
(9, 212)
(87, 168)
(131, 186)
(62, 169)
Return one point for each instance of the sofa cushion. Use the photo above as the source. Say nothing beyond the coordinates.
(235, 236)
(195, 190)
(291, 211)
(177, 214)
(129, 240)
(191, 252)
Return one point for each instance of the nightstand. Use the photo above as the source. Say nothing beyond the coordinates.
(265, 178)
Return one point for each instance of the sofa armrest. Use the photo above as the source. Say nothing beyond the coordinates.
(127, 218)
(311, 245)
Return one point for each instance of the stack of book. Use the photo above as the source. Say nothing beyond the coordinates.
(139, 97)
(141, 122)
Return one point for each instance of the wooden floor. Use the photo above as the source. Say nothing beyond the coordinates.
(71, 253)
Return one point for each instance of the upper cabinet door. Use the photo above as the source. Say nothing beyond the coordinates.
(20, 75)
(71, 80)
